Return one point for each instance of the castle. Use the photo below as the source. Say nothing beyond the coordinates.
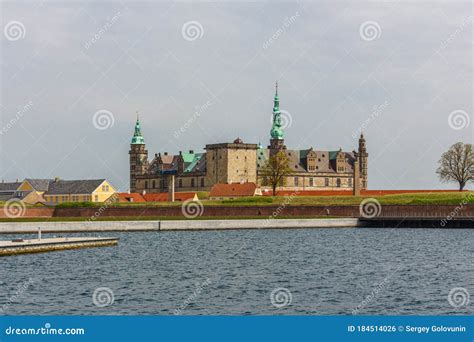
(239, 162)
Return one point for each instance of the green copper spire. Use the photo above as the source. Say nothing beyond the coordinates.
(277, 131)
(137, 136)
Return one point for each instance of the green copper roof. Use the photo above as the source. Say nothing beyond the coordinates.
(196, 158)
(188, 157)
(137, 136)
(277, 130)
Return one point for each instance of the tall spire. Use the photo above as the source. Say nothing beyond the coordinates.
(276, 100)
(277, 131)
(137, 135)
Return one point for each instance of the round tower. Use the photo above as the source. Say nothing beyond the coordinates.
(363, 159)
(138, 156)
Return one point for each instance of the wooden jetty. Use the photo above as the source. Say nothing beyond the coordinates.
(23, 246)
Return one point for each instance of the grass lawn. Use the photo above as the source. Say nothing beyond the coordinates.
(416, 198)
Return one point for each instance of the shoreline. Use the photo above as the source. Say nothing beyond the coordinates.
(21, 227)
(171, 225)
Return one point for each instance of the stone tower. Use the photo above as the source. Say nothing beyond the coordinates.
(231, 162)
(138, 156)
(276, 141)
(363, 158)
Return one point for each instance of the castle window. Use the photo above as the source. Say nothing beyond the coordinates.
(154, 184)
(326, 181)
(349, 181)
(180, 183)
(296, 181)
(311, 183)
(202, 182)
(338, 182)
(192, 182)
(317, 167)
(146, 184)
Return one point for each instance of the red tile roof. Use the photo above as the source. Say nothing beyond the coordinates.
(163, 196)
(132, 197)
(233, 190)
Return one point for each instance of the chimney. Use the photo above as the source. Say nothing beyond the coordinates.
(191, 151)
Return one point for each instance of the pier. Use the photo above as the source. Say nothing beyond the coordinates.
(24, 246)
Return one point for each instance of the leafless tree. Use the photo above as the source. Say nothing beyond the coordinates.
(457, 165)
(275, 170)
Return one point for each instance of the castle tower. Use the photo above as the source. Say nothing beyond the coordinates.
(276, 132)
(138, 156)
(363, 159)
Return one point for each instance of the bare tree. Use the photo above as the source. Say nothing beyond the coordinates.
(275, 170)
(457, 165)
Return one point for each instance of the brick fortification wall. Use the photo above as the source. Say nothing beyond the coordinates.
(29, 212)
(264, 211)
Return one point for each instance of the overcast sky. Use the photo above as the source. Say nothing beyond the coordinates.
(202, 73)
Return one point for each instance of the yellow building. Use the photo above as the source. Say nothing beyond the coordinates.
(31, 190)
(91, 190)
(55, 191)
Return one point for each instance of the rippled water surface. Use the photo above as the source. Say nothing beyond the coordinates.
(326, 271)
